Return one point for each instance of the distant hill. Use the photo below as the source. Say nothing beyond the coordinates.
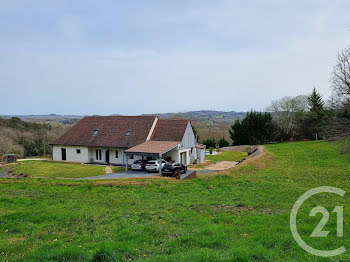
(64, 119)
(208, 117)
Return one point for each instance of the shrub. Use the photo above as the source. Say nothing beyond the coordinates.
(223, 142)
(209, 142)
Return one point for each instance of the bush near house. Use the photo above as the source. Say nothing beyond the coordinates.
(209, 143)
(223, 142)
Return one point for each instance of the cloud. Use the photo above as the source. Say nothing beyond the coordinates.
(130, 59)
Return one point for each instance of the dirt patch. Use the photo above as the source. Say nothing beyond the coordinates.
(18, 239)
(240, 208)
(223, 165)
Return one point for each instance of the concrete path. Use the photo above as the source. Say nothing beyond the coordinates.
(129, 174)
(32, 159)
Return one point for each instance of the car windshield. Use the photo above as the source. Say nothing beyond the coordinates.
(152, 162)
(137, 162)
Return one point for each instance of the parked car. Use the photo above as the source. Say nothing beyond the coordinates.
(171, 169)
(139, 165)
(153, 165)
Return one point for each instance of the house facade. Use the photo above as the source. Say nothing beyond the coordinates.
(120, 140)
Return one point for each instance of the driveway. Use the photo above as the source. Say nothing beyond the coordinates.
(129, 174)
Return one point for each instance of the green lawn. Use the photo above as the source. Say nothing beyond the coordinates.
(223, 156)
(241, 216)
(58, 169)
(116, 169)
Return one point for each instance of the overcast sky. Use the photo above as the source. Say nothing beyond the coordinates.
(134, 57)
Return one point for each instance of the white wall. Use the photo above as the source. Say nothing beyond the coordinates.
(201, 155)
(173, 154)
(187, 156)
(92, 155)
(188, 140)
(71, 154)
(112, 155)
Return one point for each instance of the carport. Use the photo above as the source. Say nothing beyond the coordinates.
(154, 149)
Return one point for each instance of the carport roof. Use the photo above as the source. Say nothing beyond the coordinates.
(153, 147)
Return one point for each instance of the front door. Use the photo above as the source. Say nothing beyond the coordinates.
(107, 156)
(63, 153)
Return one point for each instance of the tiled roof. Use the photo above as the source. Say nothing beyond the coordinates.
(156, 147)
(169, 130)
(111, 131)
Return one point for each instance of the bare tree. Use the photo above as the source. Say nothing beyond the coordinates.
(289, 115)
(341, 75)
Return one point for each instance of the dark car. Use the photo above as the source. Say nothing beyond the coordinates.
(171, 169)
(139, 165)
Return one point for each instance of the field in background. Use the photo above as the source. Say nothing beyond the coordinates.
(239, 216)
(57, 169)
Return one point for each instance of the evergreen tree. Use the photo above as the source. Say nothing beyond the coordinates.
(316, 103)
(316, 116)
(255, 128)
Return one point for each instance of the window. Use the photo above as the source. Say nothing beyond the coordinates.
(128, 132)
(95, 132)
(131, 157)
(98, 154)
(116, 153)
(78, 151)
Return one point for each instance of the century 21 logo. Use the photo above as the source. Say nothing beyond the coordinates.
(318, 231)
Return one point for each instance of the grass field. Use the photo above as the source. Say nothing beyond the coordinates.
(116, 169)
(223, 156)
(239, 216)
(57, 169)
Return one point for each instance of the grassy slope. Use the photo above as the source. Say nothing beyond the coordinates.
(55, 169)
(223, 156)
(240, 217)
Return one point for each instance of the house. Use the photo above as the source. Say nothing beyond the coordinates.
(120, 140)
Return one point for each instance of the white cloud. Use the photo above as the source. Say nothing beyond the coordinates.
(230, 57)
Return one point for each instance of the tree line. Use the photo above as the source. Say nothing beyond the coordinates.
(27, 138)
